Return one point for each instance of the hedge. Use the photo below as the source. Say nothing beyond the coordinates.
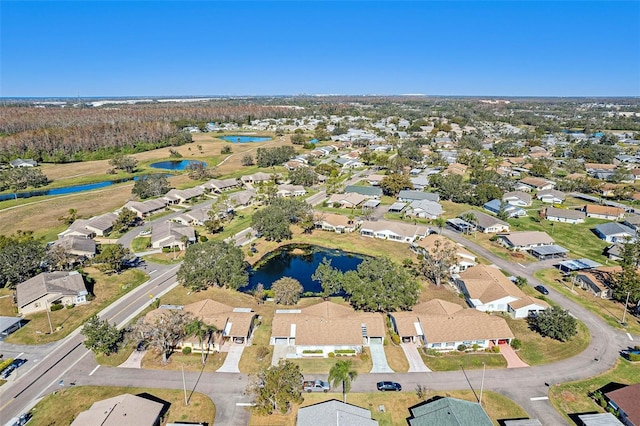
(56, 307)
(345, 351)
(314, 351)
(4, 364)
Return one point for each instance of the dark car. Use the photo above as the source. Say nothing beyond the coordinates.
(142, 346)
(389, 386)
(542, 289)
(18, 362)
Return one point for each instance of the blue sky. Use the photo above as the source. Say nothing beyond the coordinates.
(477, 48)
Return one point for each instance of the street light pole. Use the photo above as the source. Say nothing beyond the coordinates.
(624, 313)
(484, 366)
(184, 386)
(46, 308)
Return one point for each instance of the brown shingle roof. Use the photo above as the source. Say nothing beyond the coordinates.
(486, 283)
(627, 399)
(603, 210)
(526, 301)
(527, 238)
(327, 323)
(429, 242)
(54, 283)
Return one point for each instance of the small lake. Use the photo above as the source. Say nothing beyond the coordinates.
(64, 190)
(301, 266)
(245, 139)
(175, 164)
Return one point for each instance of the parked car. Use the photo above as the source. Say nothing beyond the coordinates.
(542, 289)
(7, 372)
(316, 386)
(389, 386)
(142, 345)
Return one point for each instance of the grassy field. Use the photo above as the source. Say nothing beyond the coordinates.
(610, 311)
(454, 361)
(396, 406)
(571, 399)
(61, 407)
(107, 289)
(192, 362)
(140, 244)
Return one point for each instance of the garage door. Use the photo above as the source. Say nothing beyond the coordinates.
(375, 340)
(281, 340)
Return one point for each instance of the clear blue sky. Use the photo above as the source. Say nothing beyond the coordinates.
(146, 48)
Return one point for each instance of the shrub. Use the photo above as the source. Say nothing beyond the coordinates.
(226, 150)
(475, 347)
(495, 349)
(70, 306)
(5, 363)
(516, 344)
(203, 238)
(56, 307)
(345, 351)
(262, 352)
(331, 355)
(364, 355)
(395, 338)
(313, 351)
(462, 348)
(634, 357)
(186, 350)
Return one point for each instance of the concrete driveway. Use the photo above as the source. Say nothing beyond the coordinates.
(416, 365)
(134, 360)
(232, 360)
(379, 359)
(513, 361)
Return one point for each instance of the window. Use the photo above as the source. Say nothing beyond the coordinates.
(436, 345)
(480, 342)
(467, 342)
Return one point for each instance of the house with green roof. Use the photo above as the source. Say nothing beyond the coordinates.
(448, 412)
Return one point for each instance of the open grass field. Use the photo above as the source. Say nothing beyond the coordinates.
(571, 399)
(396, 406)
(192, 362)
(610, 311)
(6, 305)
(61, 407)
(454, 361)
(107, 289)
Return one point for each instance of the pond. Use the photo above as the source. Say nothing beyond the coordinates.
(244, 139)
(176, 164)
(299, 262)
(64, 190)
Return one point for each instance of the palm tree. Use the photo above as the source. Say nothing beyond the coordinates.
(203, 332)
(440, 222)
(342, 372)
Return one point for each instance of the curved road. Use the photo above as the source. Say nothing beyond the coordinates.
(69, 361)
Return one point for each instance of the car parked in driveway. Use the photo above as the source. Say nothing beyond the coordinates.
(542, 289)
(389, 386)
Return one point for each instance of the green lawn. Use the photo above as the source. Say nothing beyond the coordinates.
(61, 407)
(140, 244)
(579, 238)
(610, 311)
(323, 365)
(573, 398)
(454, 361)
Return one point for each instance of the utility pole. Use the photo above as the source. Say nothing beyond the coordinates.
(184, 386)
(46, 306)
(484, 366)
(624, 313)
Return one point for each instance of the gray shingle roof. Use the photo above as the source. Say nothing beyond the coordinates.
(59, 282)
(449, 412)
(334, 413)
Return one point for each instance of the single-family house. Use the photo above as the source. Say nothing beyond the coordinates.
(172, 234)
(485, 223)
(496, 206)
(335, 222)
(455, 169)
(603, 212)
(334, 413)
(448, 412)
(89, 228)
(179, 196)
(374, 179)
(257, 177)
(607, 189)
(554, 214)
(195, 217)
(236, 324)
(526, 240)
(517, 198)
(347, 201)
(408, 195)
(598, 419)
(425, 209)
(393, 231)
(286, 190)
(526, 307)
(77, 246)
(121, 410)
(444, 326)
(596, 281)
(8, 325)
(220, 185)
(397, 207)
(551, 196)
(419, 182)
(632, 221)
(535, 184)
(433, 242)
(19, 162)
(487, 289)
(613, 232)
(624, 402)
(242, 198)
(367, 191)
(146, 208)
(48, 288)
(326, 327)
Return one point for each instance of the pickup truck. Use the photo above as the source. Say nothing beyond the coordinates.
(315, 386)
